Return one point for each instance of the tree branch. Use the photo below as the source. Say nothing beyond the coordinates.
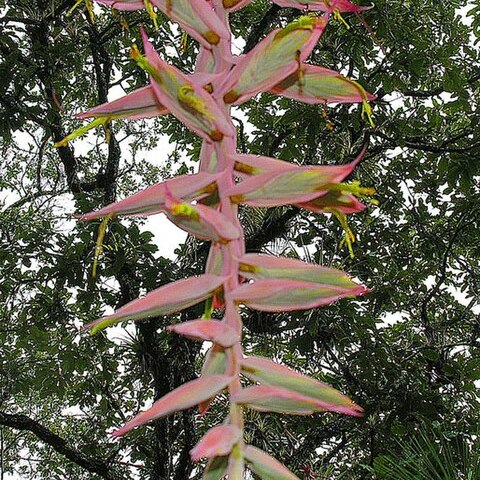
(59, 444)
(440, 280)
(262, 26)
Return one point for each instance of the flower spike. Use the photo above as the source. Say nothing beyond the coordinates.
(206, 205)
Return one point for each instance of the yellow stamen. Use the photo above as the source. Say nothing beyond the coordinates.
(81, 131)
(183, 44)
(151, 12)
(366, 108)
(245, 267)
(184, 210)
(248, 169)
(144, 64)
(367, 111)
(349, 237)
(353, 187)
(338, 16)
(306, 22)
(99, 247)
(186, 95)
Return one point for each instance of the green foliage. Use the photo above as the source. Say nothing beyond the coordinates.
(432, 454)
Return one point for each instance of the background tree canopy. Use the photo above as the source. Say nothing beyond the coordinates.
(408, 352)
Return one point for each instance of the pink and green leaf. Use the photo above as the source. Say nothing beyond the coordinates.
(279, 295)
(165, 300)
(200, 221)
(215, 362)
(194, 16)
(265, 466)
(141, 103)
(298, 185)
(186, 99)
(260, 267)
(207, 330)
(345, 203)
(152, 199)
(236, 464)
(186, 396)
(215, 261)
(267, 398)
(246, 164)
(217, 442)
(313, 84)
(273, 59)
(265, 371)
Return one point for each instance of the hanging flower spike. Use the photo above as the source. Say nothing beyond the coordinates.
(189, 102)
(206, 206)
(273, 59)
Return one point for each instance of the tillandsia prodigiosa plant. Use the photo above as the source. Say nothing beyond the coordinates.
(206, 204)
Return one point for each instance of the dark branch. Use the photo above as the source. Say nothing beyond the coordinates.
(441, 279)
(59, 444)
(259, 30)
